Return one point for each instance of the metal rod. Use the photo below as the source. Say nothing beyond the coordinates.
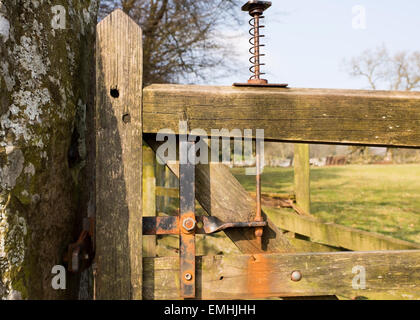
(258, 215)
(257, 46)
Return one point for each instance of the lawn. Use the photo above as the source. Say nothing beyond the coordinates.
(379, 198)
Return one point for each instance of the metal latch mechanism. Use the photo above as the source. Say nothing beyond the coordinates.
(200, 225)
(187, 224)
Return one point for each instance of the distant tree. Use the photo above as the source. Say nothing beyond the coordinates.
(382, 70)
(183, 39)
(400, 71)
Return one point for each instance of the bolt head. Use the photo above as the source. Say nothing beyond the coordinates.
(296, 276)
(188, 276)
(189, 224)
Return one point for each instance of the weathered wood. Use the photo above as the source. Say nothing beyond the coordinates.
(284, 196)
(389, 275)
(174, 193)
(302, 177)
(219, 243)
(336, 235)
(307, 246)
(149, 197)
(118, 158)
(166, 199)
(295, 115)
(222, 196)
(167, 192)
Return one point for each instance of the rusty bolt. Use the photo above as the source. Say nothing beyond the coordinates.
(188, 276)
(188, 224)
(296, 276)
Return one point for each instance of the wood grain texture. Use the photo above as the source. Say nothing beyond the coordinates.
(389, 275)
(336, 235)
(119, 158)
(149, 197)
(302, 177)
(297, 115)
(221, 195)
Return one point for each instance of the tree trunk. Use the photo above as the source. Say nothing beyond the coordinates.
(46, 49)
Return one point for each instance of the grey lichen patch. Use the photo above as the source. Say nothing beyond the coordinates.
(30, 58)
(13, 230)
(4, 25)
(30, 104)
(11, 171)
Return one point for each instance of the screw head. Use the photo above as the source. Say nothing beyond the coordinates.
(188, 276)
(296, 276)
(189, 224)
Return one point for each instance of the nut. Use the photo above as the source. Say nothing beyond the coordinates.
(189, 224)
(188, 276)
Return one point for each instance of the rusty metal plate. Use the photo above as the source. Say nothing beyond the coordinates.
(187, 218)
(160, 225)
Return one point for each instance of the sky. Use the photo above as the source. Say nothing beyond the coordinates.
(307, 40)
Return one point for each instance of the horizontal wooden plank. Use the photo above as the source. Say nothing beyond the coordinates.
(308, 246)
(334, 234)
(296, 115)
(388, 275)
(174, 193)
(167, 192)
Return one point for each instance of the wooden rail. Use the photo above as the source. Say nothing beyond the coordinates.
(376, 118)
(389, 275)
(336, 235)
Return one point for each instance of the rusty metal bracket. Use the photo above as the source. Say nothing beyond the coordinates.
(204, 225)
(187, 217)
(80, 254)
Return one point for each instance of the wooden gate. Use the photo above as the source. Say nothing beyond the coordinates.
(128, 115)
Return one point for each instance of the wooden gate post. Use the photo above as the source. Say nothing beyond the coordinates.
(302, 177)
(118, 158)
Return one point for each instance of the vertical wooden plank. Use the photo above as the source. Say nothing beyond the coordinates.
(167, 185)
(160, 182)
(302, 177)
(118, 158)
(149, 197)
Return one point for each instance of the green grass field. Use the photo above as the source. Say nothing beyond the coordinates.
(379, 198)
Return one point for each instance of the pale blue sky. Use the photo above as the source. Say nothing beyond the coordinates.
(306, 40)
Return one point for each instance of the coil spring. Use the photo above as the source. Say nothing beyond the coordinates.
(255, 49)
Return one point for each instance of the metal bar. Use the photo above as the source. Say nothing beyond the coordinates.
(187, 217)
(160, 225)
(258, 216)
(171, 225)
